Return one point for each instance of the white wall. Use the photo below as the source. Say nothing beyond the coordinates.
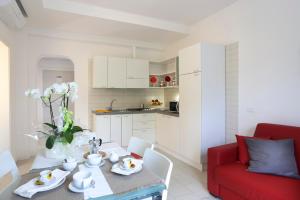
(5, 96)
(268, 33)
(29, 51)
(6, 49)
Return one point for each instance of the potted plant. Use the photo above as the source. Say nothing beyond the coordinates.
(60, 131)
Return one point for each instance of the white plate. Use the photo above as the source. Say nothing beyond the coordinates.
(75, 189)
(54, 186)
(118, 170)
(93, 166)
(50, 182)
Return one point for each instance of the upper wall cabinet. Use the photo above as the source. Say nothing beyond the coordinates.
(116, 72)
(99, 75)
(137, 73)
(190, 60)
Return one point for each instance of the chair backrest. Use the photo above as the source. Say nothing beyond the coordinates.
(138, 146)
(158, 164)
(8, 164)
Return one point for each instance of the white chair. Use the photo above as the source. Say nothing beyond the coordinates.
(138, 146)
(8, 165)
(160, 165)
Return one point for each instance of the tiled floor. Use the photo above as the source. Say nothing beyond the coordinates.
(187, 183)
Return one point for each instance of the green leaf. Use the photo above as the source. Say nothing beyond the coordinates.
(50, 141)
(69, 136)
(76, 129)
(51, 125)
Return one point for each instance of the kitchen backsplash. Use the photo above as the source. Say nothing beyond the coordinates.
(171, 94)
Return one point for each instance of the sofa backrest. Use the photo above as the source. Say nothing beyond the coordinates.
(276, 131)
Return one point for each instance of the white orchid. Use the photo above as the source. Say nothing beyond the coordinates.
(34, 93)
(61, 126)
(60, 88)
(48, 91)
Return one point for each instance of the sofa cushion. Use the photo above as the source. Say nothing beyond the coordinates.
(272, 157)
(235, 177)
(243, 148)
(277, 132)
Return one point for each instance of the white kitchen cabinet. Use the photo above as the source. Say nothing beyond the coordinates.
(202, 101)
(137, 73)
(116, 72)
(137, 83)
(190, 116)
(190, 60)
(126, 129)
(99, 72)
(116, 129)
(137, 68)
(144, 126)
(102, 127)
(167, 132)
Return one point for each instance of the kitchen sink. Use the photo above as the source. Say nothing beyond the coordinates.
(131, 109)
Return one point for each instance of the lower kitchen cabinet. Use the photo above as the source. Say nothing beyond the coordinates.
(126, 129)
(116, 129)
(167, 132)
(144, 126)
(102, 127)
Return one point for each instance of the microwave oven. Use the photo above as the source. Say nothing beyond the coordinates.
(174, 106)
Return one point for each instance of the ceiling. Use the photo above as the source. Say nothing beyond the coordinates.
(157, 21)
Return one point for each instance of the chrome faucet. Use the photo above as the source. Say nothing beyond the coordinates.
(111, 104)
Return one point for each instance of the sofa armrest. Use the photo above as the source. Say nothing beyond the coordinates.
(217, 156)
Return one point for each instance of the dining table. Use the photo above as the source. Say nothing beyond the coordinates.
(108, 185)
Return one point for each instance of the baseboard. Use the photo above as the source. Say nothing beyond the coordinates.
(179, 157)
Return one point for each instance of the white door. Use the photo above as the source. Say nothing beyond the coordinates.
(99, 73)
(116, 129)
(102, 127)
(190, 116)
(190, 59)
(126, 129)
(137, 73)
(116, 72)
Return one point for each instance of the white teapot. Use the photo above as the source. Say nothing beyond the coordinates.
(114, 157)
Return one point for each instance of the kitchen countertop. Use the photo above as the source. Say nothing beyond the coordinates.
(123, 112)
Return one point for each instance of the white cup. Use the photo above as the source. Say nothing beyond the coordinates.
(114, 157)
(94, 159)
(46, 176)
(69, 164)
(82, 180)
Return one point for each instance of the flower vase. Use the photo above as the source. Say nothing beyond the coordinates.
(59, 151)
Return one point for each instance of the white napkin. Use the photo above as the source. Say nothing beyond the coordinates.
(29, 189)
(101, 187)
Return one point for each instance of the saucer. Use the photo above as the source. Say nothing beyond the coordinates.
(93, 166)
(75, 189)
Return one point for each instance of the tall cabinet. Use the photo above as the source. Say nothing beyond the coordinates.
(202, 100)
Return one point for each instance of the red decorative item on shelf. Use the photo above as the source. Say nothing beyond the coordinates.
(153, 79)
(167, 78)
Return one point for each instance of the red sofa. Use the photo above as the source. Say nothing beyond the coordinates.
(228, 179)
